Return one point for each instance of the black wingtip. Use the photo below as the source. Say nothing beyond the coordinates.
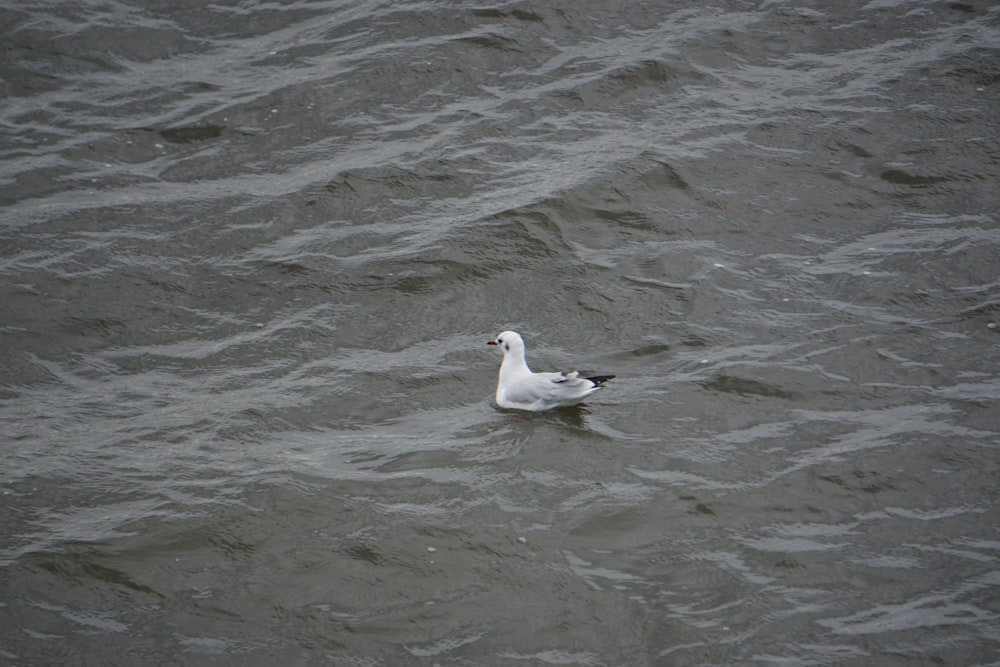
(600, 379)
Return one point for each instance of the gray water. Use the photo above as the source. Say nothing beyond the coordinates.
(252, 252)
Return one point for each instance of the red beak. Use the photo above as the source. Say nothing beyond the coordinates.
(491, 342)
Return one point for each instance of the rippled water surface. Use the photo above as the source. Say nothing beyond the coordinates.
(250, 254)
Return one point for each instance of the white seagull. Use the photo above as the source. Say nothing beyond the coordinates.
(521, 389)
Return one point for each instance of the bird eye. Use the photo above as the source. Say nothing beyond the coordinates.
(499, 340)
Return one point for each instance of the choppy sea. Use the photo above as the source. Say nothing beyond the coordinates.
(251, 253)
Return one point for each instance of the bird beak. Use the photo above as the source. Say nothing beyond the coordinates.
(491, 342)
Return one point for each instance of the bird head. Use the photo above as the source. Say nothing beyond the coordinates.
(508, 341)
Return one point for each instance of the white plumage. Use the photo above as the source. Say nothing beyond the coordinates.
(519, 388)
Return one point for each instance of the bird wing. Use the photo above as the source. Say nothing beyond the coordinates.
(563, 377)
(559, 387)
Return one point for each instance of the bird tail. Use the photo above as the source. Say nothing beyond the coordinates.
(600, 379)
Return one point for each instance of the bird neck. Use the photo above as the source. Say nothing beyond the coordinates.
(514, 364)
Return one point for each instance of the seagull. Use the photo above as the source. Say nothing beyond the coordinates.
(521, 389)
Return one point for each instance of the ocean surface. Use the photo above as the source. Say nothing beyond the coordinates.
(251, 253)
